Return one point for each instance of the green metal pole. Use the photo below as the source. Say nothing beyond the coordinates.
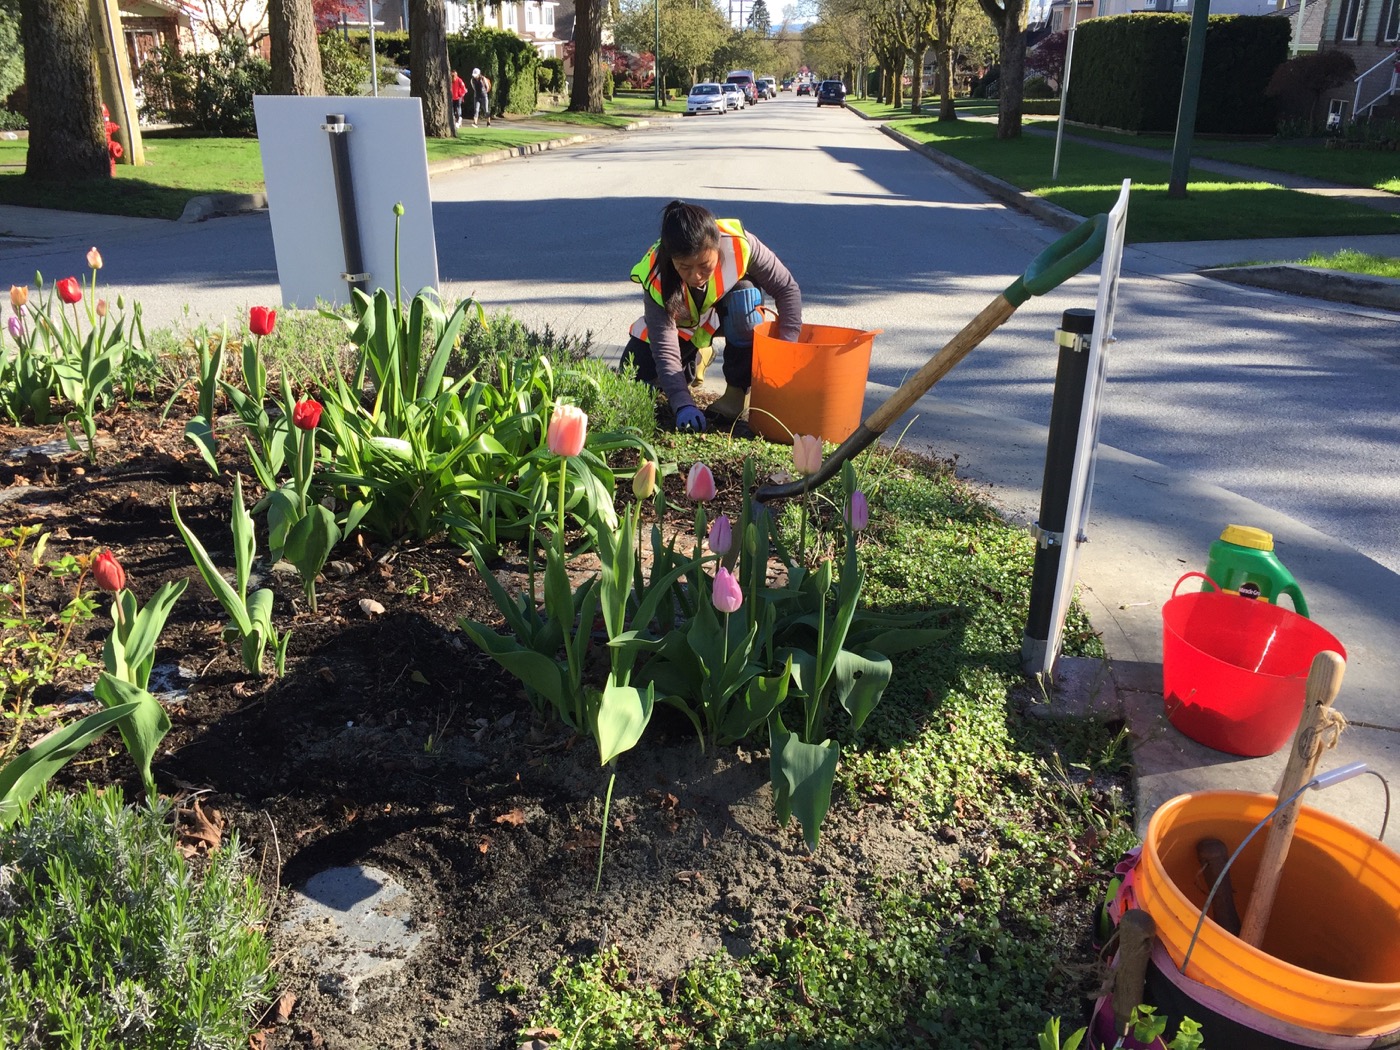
(656, 58)
(1190, 95)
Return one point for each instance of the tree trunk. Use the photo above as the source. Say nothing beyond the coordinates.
(918, 85)
(1011, 84)
(66, 137)
(429, 80)
(296, 60)
(946, 110)
(587, 95)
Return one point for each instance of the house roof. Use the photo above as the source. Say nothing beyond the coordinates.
(1314, 16)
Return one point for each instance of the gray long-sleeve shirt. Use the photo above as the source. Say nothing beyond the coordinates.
(768, 273)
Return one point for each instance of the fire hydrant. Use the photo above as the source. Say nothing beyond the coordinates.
(114, 148)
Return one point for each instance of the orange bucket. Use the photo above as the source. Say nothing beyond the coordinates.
(1234, 671)
(1330, 960)
(813, 386)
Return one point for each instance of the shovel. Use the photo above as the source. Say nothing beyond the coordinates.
(1051, 268)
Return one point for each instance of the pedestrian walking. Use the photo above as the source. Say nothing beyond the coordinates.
(459, 92)
(481, 97)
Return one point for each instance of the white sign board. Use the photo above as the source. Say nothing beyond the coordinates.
(1081, 479)
(388, 165)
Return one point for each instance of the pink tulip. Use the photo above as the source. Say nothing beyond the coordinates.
(806, 453)
(568, 429)
(700, 483)
(94, 258)
(16, 328)
(721, 535)
(727, 596)
(858, 511)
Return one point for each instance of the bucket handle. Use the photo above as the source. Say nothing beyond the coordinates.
(1188, 575)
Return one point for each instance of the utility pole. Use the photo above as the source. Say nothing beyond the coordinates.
(114, 76)
(1190, 95)
(656, 57)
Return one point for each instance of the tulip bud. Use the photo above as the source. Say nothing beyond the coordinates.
(700, 483)
(858, 511)
(568, 430)
(69, 290)
(398, 208)
(94, 258)
(644, 481)
(102, 308)
(806, 453)
(306, 414)
(721, 535)
(108, 573)
(396, 447)
(726, 595)
(16, 327)
(19, 295)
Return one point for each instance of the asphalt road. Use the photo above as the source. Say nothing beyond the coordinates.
(1287, 402)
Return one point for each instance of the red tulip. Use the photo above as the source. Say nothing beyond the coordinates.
(568, 430)
(69, 290)
(700, 483)
(261, 320)
(108, 573)
(306, 414)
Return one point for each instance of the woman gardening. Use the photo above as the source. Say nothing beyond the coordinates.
(705, 276)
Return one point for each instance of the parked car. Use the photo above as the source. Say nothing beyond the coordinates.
(769, 86)
(747, 81)
(734, 96)
(706, 98)
(804, 88)
(831, 93)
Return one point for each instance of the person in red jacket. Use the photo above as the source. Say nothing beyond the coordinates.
(459, 92)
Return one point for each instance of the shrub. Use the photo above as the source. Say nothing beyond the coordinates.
(344, 65)
(210, 92)
(1298, 83)
(510, 62)
(11, 121)
(614, 401)
(552, 75)
(1047, 58)
(110, 939)
(392, 45)
(609, 88)
(1037, 87)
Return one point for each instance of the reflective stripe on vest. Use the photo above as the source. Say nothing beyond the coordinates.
(734, 255)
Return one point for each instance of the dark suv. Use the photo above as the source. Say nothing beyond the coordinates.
(831, 93)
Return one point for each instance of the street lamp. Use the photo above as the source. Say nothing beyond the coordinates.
(656, 57)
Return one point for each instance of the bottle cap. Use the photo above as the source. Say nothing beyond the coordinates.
(1248, 536)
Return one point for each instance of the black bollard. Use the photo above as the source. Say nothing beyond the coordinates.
(354, 274)
(1071, 376)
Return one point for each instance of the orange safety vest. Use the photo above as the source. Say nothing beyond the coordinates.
(734, 254)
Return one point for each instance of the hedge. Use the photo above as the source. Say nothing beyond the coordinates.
(1128, 71)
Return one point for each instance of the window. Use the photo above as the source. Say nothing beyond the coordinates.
(1349, 20)
(1336, 113)
(1390, 24)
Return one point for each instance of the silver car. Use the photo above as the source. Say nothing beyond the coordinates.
(706, 98)
(735, 94)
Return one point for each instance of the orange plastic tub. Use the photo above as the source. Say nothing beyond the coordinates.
(813, 386)
(1330, 960)
(1234, 671)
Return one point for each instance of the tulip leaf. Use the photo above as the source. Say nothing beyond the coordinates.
(199, 432)
(228, 597)
(860, 681)
(539, 672)
(129, 652)
(142, 729)
(622, 714)
(21, 778)
(310, 543)
(283, 510)
(803, 775)
(752, 707)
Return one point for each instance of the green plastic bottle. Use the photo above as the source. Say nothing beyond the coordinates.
(1243, 562)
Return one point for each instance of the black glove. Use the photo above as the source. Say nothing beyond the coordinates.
(690, 418)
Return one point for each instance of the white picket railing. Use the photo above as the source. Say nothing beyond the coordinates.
(1393, 62)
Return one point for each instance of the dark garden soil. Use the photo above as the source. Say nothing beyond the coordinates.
(392, 741)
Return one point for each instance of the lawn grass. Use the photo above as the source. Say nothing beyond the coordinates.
(178, 169)
(965, 107)
(1347, 261)
(1215, 208)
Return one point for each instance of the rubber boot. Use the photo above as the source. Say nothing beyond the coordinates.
(703, 357)
(732, 403)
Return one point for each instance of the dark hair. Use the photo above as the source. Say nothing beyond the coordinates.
(686, 230)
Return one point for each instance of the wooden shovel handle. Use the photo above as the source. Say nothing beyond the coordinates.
(1324, 681)
(1136, 931)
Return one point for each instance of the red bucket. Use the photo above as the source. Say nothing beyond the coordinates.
(1234, 671)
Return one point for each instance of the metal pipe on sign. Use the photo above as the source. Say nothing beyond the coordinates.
(373, 56)
(339, 131)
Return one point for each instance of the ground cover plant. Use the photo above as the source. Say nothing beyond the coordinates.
(948, 898)
(1215, 208)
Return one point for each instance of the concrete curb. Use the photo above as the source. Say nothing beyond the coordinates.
(1336, 286)
(213, 205)
(1050, 214)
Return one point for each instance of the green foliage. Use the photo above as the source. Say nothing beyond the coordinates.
(1298, 83)
(344, 64)
(392, 45)
(609, 87)
(11, 56)
(551, 75)
(109, 939)
(511, 62)
(1038, 87)
(211, 92)
(1143, 56)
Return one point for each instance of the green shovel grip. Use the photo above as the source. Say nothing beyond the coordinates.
(1061, 261)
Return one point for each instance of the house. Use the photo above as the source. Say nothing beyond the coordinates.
(1060, 17)
(533, 20)
(1368, 30)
